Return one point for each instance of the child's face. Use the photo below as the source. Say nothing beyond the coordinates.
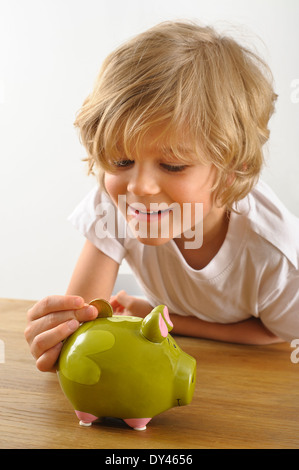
(155, 181)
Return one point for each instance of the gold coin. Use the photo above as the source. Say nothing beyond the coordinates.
(104, 308)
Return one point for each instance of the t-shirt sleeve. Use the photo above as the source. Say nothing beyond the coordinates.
(97, 218)
(280, 311)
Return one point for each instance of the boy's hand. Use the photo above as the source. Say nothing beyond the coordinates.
(50, 321)
(125, 304)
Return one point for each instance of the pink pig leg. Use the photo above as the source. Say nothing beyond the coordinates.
(139, 424)
(86, 419)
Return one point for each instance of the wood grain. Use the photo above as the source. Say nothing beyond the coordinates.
(245, 397)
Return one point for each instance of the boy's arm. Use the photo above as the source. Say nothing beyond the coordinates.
(94, 274)
(250, 331)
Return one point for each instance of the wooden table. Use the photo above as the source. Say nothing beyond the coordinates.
(245, 397)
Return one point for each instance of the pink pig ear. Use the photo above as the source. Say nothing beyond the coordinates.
(167, 317)
(154, 326)
(163, 326)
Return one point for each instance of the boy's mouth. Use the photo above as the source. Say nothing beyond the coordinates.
(141, 213)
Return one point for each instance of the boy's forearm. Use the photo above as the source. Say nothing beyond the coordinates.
(251, 331)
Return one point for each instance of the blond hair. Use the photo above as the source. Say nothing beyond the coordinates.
(179, 75)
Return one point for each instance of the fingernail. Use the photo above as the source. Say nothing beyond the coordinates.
(91, 310)
(78, 301)
(73, 325)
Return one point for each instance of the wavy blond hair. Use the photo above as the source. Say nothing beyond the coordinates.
(179, 75)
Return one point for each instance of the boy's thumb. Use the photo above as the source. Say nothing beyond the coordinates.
(123, 298)
(120, 301)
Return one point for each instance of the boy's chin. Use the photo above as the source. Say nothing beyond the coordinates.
(153, 241)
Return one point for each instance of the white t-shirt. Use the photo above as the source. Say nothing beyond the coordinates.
(255, 272)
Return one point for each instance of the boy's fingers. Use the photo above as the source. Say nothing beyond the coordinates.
(49, 339)
(54, 303)
(86, 313)
(115, 304)
(52, 320)
(123, 298)
(46, 362)
(120, 302)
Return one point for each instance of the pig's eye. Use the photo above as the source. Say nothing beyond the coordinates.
(170, 343)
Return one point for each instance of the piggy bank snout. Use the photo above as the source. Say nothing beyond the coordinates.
(185, 380)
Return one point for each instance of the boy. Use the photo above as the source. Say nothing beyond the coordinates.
(176, 122)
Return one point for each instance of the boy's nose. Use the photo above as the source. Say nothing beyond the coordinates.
(143, 183)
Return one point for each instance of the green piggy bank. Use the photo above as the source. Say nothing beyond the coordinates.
(125, 367)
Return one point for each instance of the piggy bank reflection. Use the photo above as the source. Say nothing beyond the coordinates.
(125, 367)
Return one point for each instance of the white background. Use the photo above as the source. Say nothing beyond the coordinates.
(50, 54)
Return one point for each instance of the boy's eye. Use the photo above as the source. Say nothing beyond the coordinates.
(126, 163)
(123, 163)
(173, 168)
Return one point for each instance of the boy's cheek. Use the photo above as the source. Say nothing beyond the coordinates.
(112, 186)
